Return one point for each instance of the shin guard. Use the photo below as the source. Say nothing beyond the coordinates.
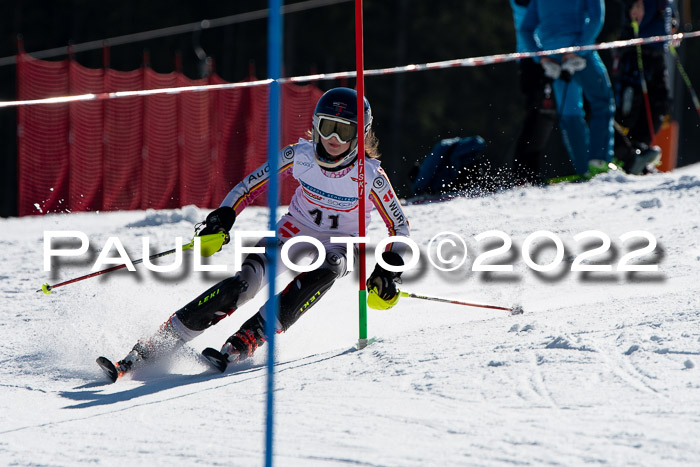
(213, 305)
(300, 295)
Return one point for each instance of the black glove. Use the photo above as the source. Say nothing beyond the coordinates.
(385, 281)
(219, 220)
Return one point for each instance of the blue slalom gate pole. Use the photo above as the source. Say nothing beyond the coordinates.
(274, 67)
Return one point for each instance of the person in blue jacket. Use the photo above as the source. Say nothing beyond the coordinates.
(541, 107)
(570, 23)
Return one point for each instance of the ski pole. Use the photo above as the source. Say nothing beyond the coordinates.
(210, 244)
(688, 84)
(515, 310)
(645, 90)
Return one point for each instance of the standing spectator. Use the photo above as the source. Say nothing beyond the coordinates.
(541, 114)
(634, 138)
(539, 101)
(576, 23)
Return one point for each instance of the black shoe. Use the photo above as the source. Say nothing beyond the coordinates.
(643, 158)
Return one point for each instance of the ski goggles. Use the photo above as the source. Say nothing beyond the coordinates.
(342, 129)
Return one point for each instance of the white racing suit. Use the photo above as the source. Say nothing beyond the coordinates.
(325, 205)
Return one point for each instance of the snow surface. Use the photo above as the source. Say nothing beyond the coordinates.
(601, 368)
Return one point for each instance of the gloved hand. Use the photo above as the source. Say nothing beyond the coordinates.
(552, 69)
(382, 283)
(573, 63)
(219, 220)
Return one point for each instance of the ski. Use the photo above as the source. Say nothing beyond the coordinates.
(113, 371)
(216, 358)
(109, 368)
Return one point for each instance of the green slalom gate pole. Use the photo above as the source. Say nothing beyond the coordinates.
(359, 56)
(363, 319)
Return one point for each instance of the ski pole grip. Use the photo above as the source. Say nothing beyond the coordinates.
(209, 244)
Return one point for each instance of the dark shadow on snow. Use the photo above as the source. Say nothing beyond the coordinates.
(94, 397)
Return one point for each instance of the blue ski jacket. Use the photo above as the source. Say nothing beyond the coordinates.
(562, 23)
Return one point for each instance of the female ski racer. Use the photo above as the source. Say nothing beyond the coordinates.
(325, 205)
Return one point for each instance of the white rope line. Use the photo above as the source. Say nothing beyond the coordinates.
(463, 62)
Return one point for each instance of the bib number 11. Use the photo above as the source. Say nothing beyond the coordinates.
(318, 218)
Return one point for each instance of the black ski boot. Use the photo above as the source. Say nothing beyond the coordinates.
(240, 346)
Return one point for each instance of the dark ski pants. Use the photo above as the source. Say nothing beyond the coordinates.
(301, 293)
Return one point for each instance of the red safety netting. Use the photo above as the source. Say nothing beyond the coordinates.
(123, 147)
(161, 151)
(195, 144)
(231, 113)
(86, 141)
(161, 167)
(42, 138)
